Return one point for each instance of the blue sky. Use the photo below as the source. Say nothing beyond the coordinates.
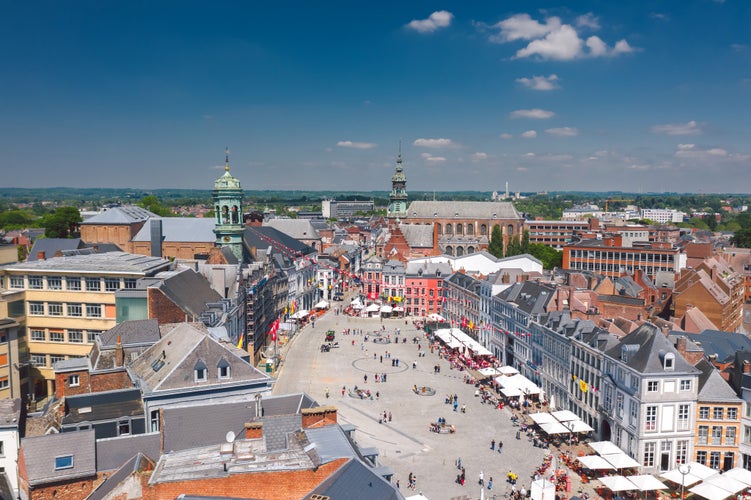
(596, 95)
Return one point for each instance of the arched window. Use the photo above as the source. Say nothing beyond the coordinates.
(470, 249)
(235, 215)
(225, 214)
(470, 229)
(460, 229)
(483, 230)
(218, 214)
(439, 227)
(510, 230)
(449, 250)
(449, 229)
(459, 251)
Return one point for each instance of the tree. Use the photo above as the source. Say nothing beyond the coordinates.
(14, 219)
(550, 257)
(495, 247)
(62, 223)
(742, 238)
(153, 205)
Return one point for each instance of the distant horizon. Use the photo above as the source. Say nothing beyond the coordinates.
(592, 96)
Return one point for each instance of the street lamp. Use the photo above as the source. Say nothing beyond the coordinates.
(684, 469)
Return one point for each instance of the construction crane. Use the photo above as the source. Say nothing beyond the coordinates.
(616, 200)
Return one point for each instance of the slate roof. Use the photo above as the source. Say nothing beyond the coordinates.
(194, 426)
(112, 453)
(653, 346)
(170, 363)
(137, 463)
(189, 290)
(50, 246)
(110, 262)
(356, 480)
(465, 209)
(331, 443)
(531, 297)
(723, 344)
(181, 229)
(102, 406)
(10, 412)
(300, 229)
(418, 235)
(712, 387)
(40, 453)
(262, 237)
(138, 331)
(120, 215)
(429, 269)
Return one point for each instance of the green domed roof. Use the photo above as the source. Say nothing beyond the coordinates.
(227, 181)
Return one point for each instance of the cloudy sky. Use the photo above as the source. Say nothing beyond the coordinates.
(633, 96)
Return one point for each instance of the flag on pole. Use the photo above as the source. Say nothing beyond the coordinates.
(273, 329)
(240, 342)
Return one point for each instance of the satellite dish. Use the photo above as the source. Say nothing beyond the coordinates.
(230, 437)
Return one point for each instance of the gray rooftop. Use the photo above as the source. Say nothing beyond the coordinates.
(50, 246)
(652, 348)
(120, 215)
(112, 453)
(300, 229)
(428, 269)
(99, 263)
(40, 454)
(712, 387)
(462, 210)
(99, 406)
(181, 229)
(723, 344)
(356, 480)
(418, 235)
(10, 412)
(138, 463)
(331, 443)
(189, 290)
(139, 331)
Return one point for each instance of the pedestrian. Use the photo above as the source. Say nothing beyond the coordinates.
(490, 483)
(492, 443)
(365, 378)
(456, 405)
(389, 416)
(397, 484)
(518, 435)
(374, 356)
(344, 389)
(378, 395)
(327, 393)
(500, 446)
(381, 358)
(482, 479)
(464, 475)
(459, 463)
(523, 492)
(383, 377)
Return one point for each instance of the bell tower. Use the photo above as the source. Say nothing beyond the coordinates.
(228, 211)
(398, 197)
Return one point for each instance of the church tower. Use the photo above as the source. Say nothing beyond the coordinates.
(398, 197)
(228, 210)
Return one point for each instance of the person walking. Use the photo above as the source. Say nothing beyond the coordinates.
(365, 378)
(459, 463)
(344, 389)
(482, 479)
(389, 416)
(327, 393)
(492, 441)
(490, 483)
(500, 446)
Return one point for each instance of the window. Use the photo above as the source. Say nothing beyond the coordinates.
(649, 454)
(38, 335)
(111, 284)
(38, 359)
(75, 336)
(73, 283)
(685, 385)
(732, 413)
(653, 386)
(75, 310)
(74, 381)
(747, 434)
(717, 413)
(681, 452)
(54, 283)
(223, 369)
(130, 283)
(701, 457)
(714, 460)
(35, 282)
(683, 418)
(704, 412)
(633, 412)
(650, 421)
(64, 462)
(730, 436)
(16, 281)
(93, 284)
(716, 435)
(3, 385)
(36, 308)
(93, 310)
(200, 373)
(154, 419)
(55, 309)
(93, 335)
(57, 336)
(703, 434)
(669, 361)
(123, 428)
(55, 358)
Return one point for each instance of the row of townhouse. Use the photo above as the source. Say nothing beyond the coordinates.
(661, 405)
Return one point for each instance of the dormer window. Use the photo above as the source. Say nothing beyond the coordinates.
(223, 369)
(200, 373)
(669, 362)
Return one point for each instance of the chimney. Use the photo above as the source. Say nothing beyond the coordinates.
(746, 367)
(41, 255)
(119, 353)
(318, 417)
(253, 430)
(680, 345)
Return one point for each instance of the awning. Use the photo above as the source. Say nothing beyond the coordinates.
(678, 478)
(565, 415)
(605, 447)
(373, 308)
(436, 317)
(321, 305)
(448, 339)
(398, 309)
(464, 340)
(488, 371)
(621, 460)
(386, 309)
(542, 418)
(577, 426)
(508, 370)
(551, 428)
(302, 313)
(740, 474)
(520, 382)
(617, 483)
(647, 482)
(510, 392)
(542, 489)
(357, 305)
(727, 483)
(595, 462)
(711, 491)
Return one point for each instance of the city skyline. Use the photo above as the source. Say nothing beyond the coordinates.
(595, 97)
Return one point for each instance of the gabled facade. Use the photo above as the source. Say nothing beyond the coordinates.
(424, 283)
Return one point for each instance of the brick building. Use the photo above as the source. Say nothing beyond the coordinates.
(423, 285)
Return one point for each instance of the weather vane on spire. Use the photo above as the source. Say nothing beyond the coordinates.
(226, 159)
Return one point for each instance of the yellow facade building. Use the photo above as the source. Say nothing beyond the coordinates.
(68, 302)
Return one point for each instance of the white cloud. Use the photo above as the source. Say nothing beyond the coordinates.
(436, 20)
(563, 131)
(356, 145)
(686, 146)
(506, 136)
(479, 156)
(689, 128)
(529, 134)
(588, 20)
(434, 143)
(555, 40)
(432, 159)
(521, 169)
(528, 155)
(717, 152)
(659, 16)
(540, 82)
(537, 114)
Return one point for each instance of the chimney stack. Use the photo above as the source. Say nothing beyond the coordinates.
(320, 416)
(41, 255)
(253, 430)
(746, 367)
(119, 353)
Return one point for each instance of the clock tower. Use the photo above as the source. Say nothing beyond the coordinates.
(228, 211)
(398, 197)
